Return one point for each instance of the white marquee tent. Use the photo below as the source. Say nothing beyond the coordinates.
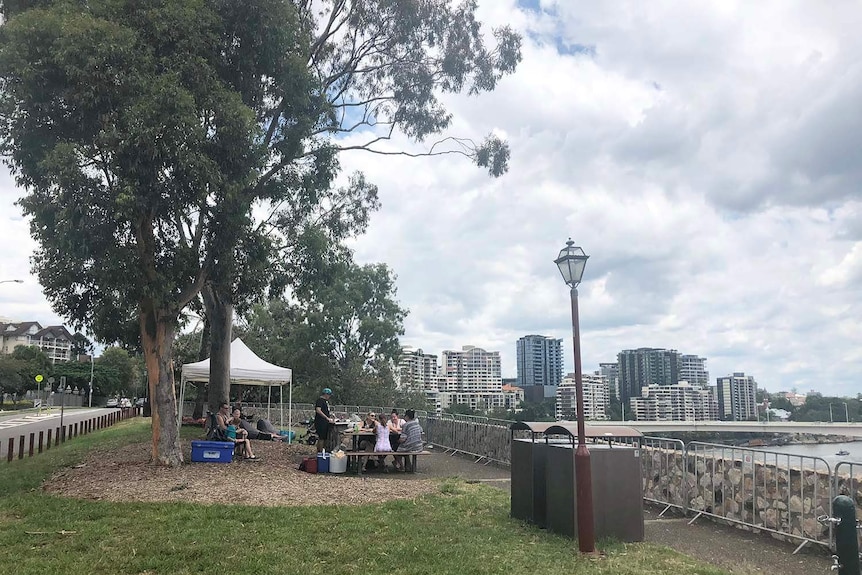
(246, 368)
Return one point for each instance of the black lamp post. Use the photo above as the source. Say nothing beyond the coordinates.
(572, 261)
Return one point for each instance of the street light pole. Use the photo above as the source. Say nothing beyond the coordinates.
(830, 413)
(846, 414)
(571, 262)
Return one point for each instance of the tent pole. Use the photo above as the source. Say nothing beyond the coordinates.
(268, 402)
(180, 406)
(290, 412)
(281, 404)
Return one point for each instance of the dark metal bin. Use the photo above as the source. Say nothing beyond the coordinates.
(544, 481)
(528, 473)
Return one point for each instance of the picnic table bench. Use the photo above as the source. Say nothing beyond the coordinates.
(355, 457)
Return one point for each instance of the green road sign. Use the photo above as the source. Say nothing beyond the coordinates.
(39, 378)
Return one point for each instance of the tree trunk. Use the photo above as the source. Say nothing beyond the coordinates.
(219, 311)
(203, 353)
(158, 328)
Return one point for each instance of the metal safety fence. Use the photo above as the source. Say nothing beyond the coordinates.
(847, 480)
(779, 493)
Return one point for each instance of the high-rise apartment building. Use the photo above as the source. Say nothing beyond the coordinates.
(693, 370)
(596, 398)
(611, 371)
(736, 396)
(677, 402)
(472, 370)
(642, 367)
(540, 365)
(417, 370)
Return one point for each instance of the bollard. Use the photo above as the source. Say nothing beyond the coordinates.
(846, 542)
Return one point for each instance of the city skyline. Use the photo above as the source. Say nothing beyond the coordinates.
(702, 155)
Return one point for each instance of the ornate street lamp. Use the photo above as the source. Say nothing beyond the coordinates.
(572, 261)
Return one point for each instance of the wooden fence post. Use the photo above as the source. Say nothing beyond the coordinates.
(41, 438)
(32, 444)
(11, 452)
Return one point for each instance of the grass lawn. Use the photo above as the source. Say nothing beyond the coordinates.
(464, 529)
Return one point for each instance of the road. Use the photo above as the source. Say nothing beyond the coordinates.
(14, 424)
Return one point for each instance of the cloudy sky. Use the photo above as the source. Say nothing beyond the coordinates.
(707, 156)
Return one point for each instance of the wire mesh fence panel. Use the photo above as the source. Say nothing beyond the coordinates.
(777, 492)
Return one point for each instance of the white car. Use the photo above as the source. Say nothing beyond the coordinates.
(125, 402)
(113, 402)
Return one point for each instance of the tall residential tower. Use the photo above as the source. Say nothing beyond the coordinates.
(540, 366)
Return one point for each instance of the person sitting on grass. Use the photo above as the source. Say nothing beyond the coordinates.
(244, 426)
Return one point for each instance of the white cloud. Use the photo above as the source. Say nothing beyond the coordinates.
(703, 154)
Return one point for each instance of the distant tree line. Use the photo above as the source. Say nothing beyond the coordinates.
(115, 373)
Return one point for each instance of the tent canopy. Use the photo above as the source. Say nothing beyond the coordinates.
(246, 368)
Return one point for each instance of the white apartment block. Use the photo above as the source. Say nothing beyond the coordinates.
(472, 370)
(508, 399)
(55, 340)
(737, 397)
(596, 398)
(418, 370)
(678, 402)
(693, 370)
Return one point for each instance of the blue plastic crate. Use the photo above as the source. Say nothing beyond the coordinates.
(212, 451)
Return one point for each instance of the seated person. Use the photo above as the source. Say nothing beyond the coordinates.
(411, 434)
(369, 443)
(241, 441)
(394, 426)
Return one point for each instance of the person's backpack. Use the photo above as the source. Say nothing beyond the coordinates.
(214, 433)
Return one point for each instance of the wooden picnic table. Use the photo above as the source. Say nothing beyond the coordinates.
(356, 435)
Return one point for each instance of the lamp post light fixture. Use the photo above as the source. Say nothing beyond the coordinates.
(11, 281)
(571, 262)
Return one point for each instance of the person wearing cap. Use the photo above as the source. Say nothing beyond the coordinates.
(323, 418)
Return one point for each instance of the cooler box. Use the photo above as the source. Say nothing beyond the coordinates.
(310, 464)
(212, 451)
(338, 464)
(323, 463)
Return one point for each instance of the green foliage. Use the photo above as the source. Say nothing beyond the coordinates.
(344, 335)
(12, 377)
(123, 366)
(537, 411)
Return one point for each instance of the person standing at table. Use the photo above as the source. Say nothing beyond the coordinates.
(323, 420)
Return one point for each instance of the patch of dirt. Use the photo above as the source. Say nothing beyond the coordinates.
(273, 480)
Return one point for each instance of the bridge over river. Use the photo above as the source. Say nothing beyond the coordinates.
(851, 429)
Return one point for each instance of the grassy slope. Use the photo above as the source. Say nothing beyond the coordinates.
(464, 529)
